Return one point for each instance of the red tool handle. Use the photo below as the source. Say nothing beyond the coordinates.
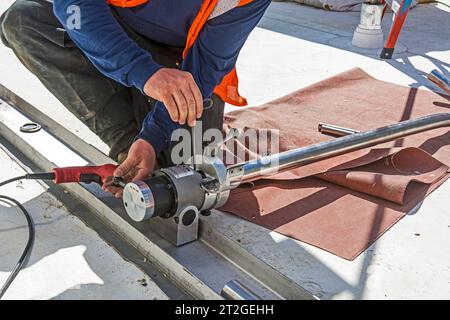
(73, 174)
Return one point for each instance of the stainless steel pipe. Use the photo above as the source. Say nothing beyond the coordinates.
(276, 163)
(333, 130)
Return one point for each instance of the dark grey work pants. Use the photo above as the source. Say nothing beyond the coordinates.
(112, 111)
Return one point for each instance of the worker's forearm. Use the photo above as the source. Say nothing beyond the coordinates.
(105, 43)
(158, 127)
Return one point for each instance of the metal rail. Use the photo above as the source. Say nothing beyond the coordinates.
(276, 163)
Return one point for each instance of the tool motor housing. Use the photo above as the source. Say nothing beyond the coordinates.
(166, 194)
(174, 198)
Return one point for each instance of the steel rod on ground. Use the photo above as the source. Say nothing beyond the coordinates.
(276, 163)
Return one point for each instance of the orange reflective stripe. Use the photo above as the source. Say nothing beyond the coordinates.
(244, 2)
(198, 23)
(126, 3)
(200, 20)
(227, 90)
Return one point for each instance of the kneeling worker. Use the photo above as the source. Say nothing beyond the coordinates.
(135, 70)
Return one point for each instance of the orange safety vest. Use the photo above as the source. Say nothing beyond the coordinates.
(227, 90)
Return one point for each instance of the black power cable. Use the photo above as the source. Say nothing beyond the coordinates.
(27, 250)
(4, 183)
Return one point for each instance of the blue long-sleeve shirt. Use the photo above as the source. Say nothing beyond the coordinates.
(114, 54)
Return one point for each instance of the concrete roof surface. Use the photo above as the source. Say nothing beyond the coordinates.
(294, 46)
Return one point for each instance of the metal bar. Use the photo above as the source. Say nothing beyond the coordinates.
(331, 129)
(440, 80)
(235, 290)
(249, 263)
(276, 163)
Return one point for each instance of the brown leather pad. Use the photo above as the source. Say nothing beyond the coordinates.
(345, 203)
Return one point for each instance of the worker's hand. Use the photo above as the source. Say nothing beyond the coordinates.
(138, 165)
(179, 93)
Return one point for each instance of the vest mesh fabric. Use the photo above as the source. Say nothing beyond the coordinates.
(222, 7)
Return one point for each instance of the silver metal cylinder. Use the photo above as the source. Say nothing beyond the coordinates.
(138, 201)
(276, 163)
(440, 80)
(235, 290)
(333, 130)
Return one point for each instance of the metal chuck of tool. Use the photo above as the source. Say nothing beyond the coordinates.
(176, 196)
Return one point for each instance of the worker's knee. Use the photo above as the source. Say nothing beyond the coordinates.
(19, 22)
